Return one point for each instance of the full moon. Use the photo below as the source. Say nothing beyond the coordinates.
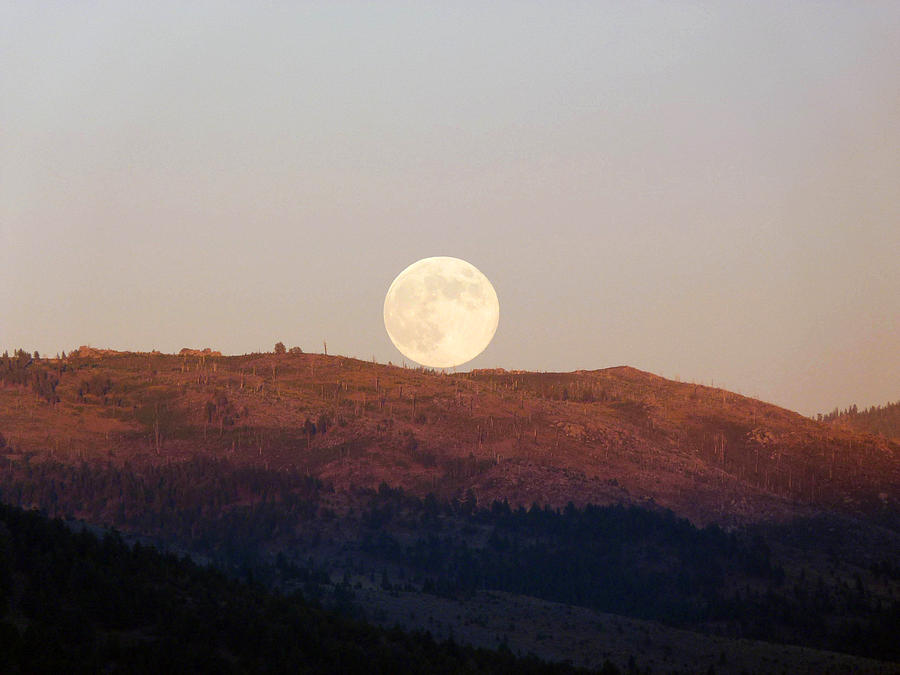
(441, 312)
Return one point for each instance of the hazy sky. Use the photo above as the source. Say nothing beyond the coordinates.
(707, 190)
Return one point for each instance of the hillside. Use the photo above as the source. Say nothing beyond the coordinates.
(72, 602)
(453, 502)
(604, 436)
(883, 420)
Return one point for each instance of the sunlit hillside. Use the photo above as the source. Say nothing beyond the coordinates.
(882, 420)
(452, 502)
(604, 436)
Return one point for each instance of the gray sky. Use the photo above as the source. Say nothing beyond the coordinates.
(702, 190)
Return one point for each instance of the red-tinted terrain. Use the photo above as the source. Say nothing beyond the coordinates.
(600, 516)
(602, 436)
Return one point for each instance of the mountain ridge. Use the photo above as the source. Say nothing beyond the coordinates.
(615, 490)
(608, 435)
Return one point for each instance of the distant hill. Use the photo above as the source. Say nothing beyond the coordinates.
(882, 420)
(617, 435)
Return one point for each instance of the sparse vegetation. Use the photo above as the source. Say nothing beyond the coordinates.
(883, 420)
(240, 458)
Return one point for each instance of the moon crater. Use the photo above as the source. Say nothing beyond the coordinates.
(441, 312)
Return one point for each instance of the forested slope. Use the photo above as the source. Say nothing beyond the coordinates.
(70, 602)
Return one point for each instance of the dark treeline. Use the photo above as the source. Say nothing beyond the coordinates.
(623, 560)
(227, 511)
(632, 561)
(71, 602)
(877, 419)
(23, 369)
